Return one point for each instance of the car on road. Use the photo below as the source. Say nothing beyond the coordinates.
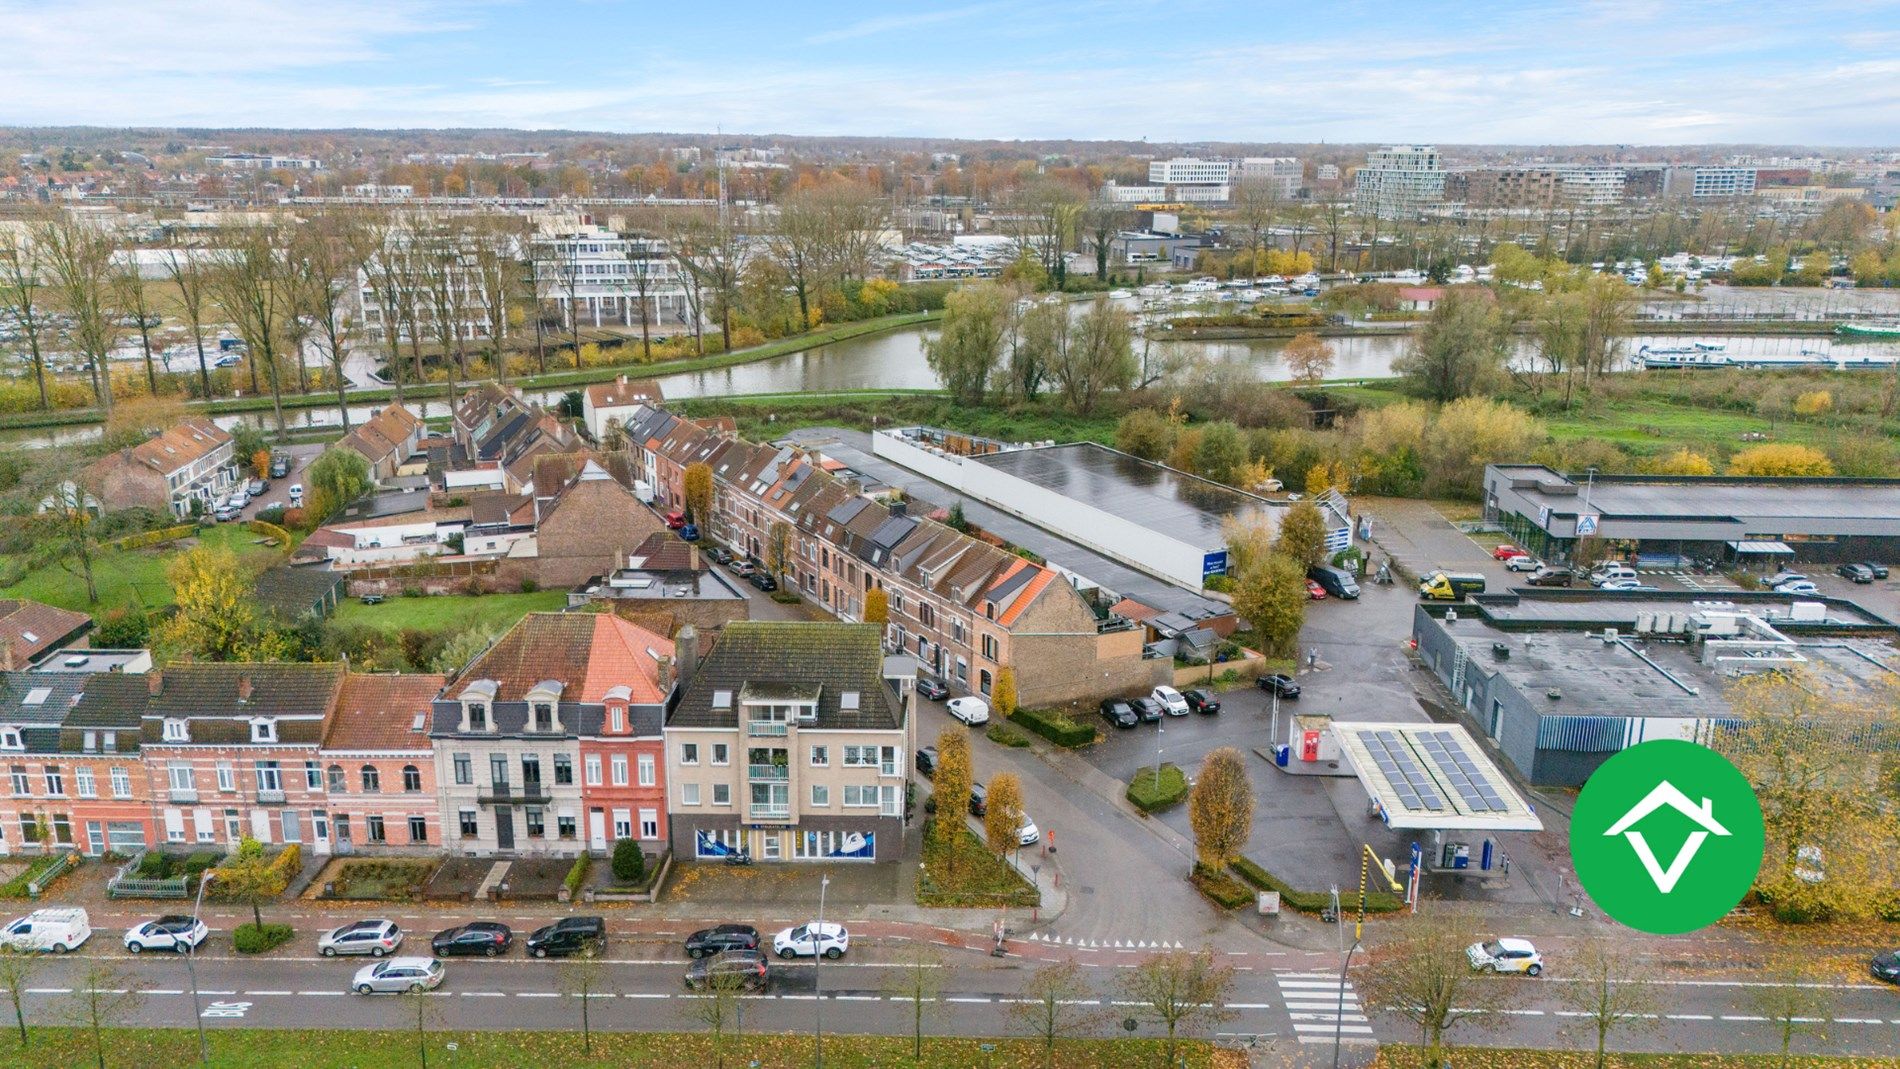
(1505, 551)
(1879, 570)
(1523, 562)
(586, 936)
(256, 487)
(1201, 701)
(676, 519)
(931, 687)
(1551, 577)
(763, 580)
(969, 709)
(279, 466)
(480, 938)
(1314, 591)
(57, 930)
(1797, 586)
(689, 533)
(1620, 584)
(174, 932)
(806, 940)
(979, 799)
(1506, 955)
(721, 938)
(1171, 701)
(1028, 834)
(719, 554)
(1279, 683)
(1147, 709)
(398, 976)
(743, 968)
(1855, 573)
(927, 761)
(1886, 966)
(1118, 712)
(377, 938)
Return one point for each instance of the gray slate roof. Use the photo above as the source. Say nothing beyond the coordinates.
(757, 657)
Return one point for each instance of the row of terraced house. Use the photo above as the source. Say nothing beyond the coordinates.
(965, 608)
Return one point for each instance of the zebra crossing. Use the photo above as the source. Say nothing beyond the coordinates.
(1321, 1008)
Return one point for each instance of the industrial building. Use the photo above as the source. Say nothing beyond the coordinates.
(1560, 680)
(1665, 518)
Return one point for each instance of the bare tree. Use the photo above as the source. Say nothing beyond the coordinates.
(1044, 218)
(250, 284)
(1180, 990)
(396, 276)
(17, 969)
(20, 297)
(535, 283)
(709, 251)
(1257, 202)
(917, 980)
(128, 287)
(189, 278)
(1608, 995)
(492, 259)
(800, 242)
(1051, 1009)
(424, 1010)
(1101, 221)
(719, 1008)
(1424, 977)
(329, 255)
(80, 260)
(442, 259)
(1793, 1001)
(103, 997)
(586, 978)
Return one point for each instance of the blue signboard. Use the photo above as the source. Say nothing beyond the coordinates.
(855, 844)
(1214, 563)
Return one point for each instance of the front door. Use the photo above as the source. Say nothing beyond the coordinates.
(95, 838)
(320, 831)
(596, 829)
(504, 828)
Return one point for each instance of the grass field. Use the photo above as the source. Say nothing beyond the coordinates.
(449, 612)
(762, 418)
(133, 576)
(1406, 1056)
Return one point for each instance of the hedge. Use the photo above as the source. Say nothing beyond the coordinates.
(1056, 726)
(284, 866)
(1314, 901)
(153, 538)
(1148, 795)
(271, 530)
(1223, 890)
(250, 939)
(16, 887)
(577, 875)
(1004, 735)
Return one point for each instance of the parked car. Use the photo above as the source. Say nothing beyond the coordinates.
(485, 938)
(1605, 573)
(676, 519)
(931, 687)
(743, 568)
(1523, 563)
(1855, 573)
(296, 494)
(1028, 834)
(1279, 683)
(175, 932)
(969, 709)
(1886, 966)
(1551, 577)
(1505, 551)
(226, 513)
(586, 936)
(228, 360)
(56, 930)
(1171, 701)
(719, 554)
(1147, 709)
(1314, 591)
(1119, 713)
(1879, 570)
(398, 976)
(279, 465)
(377, 938)
(256, 487)
(927, 761)
(743, 968)
(1506, 955)
(690, 533)
(1337, 582)
(1620, 584)
(763, 580)
(721, 938)
(1201, 701)
(1783, 576)
(809, 940)
(979, 799)
(1797, 586)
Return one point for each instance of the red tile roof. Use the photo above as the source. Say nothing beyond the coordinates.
(32, 628)
(590, 652)
(378, 712)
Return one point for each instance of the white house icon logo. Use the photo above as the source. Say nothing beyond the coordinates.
(1665, 793)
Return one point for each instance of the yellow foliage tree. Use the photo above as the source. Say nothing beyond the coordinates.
(217, 617)
(1271, 597)
(697, 484)
(877, 606)
(1248, 542)
(1187, 446)
(950, 787)
(1814, 403)
(1309, 358)
(1302, 534)
(1220, 808)
(1003, 693)
(1003, 812)
(1780, 459)
(1680, 462)
(1470, 433)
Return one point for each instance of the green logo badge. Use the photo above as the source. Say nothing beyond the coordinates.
(1667, 837)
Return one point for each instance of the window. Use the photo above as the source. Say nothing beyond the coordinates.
(84, 783)
(623, 824)
(269, 777)
(29, 828)
(176, 731)
(10, 739)
(179, 774)
(464, 773)
(689, 794)
(374, 823)
(860, 796)
(411, 779)
(372, 780)
(339, 783)
(820, 796)
(646, 770)
(418, 829)
(887, 761)
(722, 794)
(543, 717)
(983, 680)
(531, 769)
(91, 742)
(537, 822)
(121, 782)
(112, 742)
(227, 776)
(860, 756)
(263, 731)
(721, 754)
(820, 756)
(689, 753)
(563, 769)
(312, 776)
(649, 824)
(619, 719)
(620, 769)
(22, 782)
(477, 714)
(989, 646)
(498, 771)
(469, 827)
(593, 770)
(564, 825)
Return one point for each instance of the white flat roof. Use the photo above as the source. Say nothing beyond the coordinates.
(1433, 776)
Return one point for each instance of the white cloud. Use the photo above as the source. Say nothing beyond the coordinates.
(883, 24)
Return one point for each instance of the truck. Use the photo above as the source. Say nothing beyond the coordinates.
(1450, 586)
(56, 930)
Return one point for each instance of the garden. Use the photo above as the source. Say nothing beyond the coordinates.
(375, 879)
(963, 872)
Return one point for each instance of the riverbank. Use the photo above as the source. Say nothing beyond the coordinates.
(1401, 328)
(553, 380)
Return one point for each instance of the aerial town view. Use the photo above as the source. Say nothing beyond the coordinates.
(957, 535)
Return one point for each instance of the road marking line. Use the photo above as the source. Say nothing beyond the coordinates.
(1329, 1027)
(798, 998)
(537, 994)
(1250, 1005)
(484, 994)
(1858, 1020)
(857, 998)
(49, 990)
(960, 998)
(164, 991)
(1327, 1017)
(308, 994)
(649, 994)
(1730, 1017)
(277, 993)
(1343, 1039)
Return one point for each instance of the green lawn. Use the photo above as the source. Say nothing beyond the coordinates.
(245, 1048)
(977, 878)
(1148, 792)
(1407, 1056)
(134, 576)
(449, 612)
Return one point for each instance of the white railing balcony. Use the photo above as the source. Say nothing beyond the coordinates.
(770, 773)
(767, 729)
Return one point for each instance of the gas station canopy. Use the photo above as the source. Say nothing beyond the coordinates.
(1432, 776)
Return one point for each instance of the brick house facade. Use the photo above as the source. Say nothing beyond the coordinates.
(379, 769)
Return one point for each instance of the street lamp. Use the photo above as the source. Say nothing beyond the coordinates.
(191, 969)
(818, 991)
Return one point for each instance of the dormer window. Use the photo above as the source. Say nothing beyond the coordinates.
(10, 739)
(176, 730)
(618, 718)
(543, 717)
(476, 716)
(263, 731)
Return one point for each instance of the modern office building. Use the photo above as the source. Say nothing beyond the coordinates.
(1399, 180)
(1709, 183)
(604, 277)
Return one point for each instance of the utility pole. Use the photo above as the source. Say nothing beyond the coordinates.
(191, 969)
(818, 1000)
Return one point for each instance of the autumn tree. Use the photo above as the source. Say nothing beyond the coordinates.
(1780, 459)
(77, 258)
(877, 606)
(1681, 462)
(1053, 1006)
(17, 969)
(1003, 693)
(1271, 597)
(778, 548)
(1461, 350)
(102, 998)
(24, 297)
(697, 484)
(950, 787)
(337, 478)
(1099, 357)
(1181, 990)
(1144, 433)
(1309, 358)
(1220, 808)
(1794, 999)
(461, 649)
(1302, 534)
(1423, 976)
(248, 877)
(1609, 993)
(916, 980)
(969, 341)
(1003, 812)
(1221, 452)
(1470, 433)
(217, 618)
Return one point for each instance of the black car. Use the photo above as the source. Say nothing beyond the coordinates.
(1551, 577)
(1887, 966)
(979, 799)
(931, 687)
(745, 969)
(724, 937)
(279, 466)
(763, 580)
(1856, 573)
(1201, 701)
(1879, 570)
(570, 935)
(1147, 709)
(486, 938)
(1119, 713)
(1279, 683)
(927, 761)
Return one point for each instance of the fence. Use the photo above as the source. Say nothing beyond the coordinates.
(153, 538)
(126, 884)
(53, 872)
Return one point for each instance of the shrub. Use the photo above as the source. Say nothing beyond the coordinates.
(1148, 793)
(577, 875)
(475, 587)
(1004, 735)
(1055, 725)
(528, 585)
(153, 538)
(273, 514)
(630, 862)
(785, 597)
(1312, 901)
(1223, 890)
(250, 939)
(270, 530)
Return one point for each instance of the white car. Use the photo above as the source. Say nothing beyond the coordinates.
(1620, 584)
(173, 932)
(377, 938)
(810, 940)
(1797, 586)
(57, 930)
(1506, 955)
(1028, 834)
(1522, 563)
(398, 976)
(1171, 701)
(970, 710)
(296, 494)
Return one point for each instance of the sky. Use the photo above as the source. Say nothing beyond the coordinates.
(1817, 72)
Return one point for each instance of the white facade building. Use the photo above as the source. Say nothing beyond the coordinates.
(1283, 171)
(248, 161)
(1120, 194)
(1189, 170)
(1398, 180)
(1710, 182)
(596, 273)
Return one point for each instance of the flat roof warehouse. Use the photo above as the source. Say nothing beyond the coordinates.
(1153, 495)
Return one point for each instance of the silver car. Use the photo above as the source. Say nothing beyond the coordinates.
(376, 938)
(398, 975)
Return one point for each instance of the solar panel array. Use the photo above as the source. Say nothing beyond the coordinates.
(1458, 768)
(1394, 758)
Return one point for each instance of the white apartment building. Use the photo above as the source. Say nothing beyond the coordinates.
(1284, 171)
(1399, 179)
(249, 161)
(595, 273)
(1594, 185)
(1709, 182)
(435, 275)
(1120, 194)
(1189, 170)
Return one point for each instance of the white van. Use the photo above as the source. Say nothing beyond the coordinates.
(57, 930)
(1606, 572)
(296, 494)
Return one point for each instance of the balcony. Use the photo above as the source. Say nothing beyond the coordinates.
(269, 796)
(185, 795)
(768, 773)
(505, 794)
(767, 729)
(769, 812)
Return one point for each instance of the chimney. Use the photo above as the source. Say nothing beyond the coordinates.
(686, 645)
(899, 507)
(6, 655)
(244, 688)
(664, 674)
(155, 682)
